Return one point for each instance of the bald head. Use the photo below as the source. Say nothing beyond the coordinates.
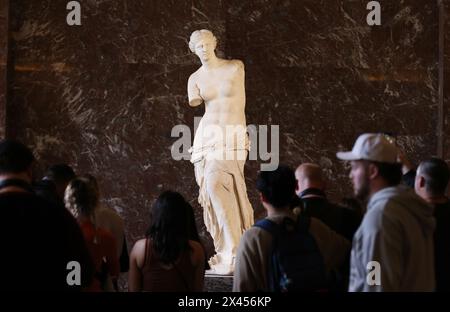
(309, 175)
(432, 179)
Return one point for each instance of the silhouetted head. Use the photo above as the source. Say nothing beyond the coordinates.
(277, 188)
(81, 198)
(432, 178)
(309, 175)
(60, 175)
(169, 221)
(15, 158)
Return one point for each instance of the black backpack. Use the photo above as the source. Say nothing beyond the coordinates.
(296, 263)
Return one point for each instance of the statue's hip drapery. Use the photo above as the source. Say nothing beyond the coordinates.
(227, 212)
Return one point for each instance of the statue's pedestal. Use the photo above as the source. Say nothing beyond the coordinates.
(218, 283)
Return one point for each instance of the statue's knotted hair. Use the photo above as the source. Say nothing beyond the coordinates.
(198, 35)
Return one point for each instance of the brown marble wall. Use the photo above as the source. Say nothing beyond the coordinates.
(4, 14)
(104, 96)
(446, 79)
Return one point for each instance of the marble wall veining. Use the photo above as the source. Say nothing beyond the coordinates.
(4, 15)
(320, 72)
(445, 33)
(105, 95)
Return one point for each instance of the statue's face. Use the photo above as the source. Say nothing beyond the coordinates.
(204, 48)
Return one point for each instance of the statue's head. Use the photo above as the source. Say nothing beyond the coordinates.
(203, 43)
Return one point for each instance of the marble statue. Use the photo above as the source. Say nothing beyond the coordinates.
(220, 149)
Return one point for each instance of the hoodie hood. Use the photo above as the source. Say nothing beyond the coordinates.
(401, 196)
(397, 232)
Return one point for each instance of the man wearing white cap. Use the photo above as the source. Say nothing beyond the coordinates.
(393, 248)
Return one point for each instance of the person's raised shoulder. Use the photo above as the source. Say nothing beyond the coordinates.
(139, 245)
(138, 251)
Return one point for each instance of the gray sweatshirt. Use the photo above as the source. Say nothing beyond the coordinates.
(396, 232)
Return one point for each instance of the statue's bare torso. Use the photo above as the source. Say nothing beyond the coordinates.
(222, 89)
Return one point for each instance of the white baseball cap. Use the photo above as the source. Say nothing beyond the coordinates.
(371, 146)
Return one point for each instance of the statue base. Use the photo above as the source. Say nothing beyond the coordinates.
(221, 265)
(218, 283)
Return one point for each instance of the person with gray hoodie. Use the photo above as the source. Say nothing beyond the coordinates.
(393, 248)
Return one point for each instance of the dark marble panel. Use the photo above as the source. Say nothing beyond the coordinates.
(104, 96)
(4, 17)
(335, 33)
(446, 82)
(319, 71)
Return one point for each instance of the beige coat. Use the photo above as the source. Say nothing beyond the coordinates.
(254, 252)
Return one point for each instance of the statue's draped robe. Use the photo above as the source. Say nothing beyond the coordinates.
(219, 160)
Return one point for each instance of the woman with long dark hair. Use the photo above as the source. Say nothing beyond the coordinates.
(167, 259)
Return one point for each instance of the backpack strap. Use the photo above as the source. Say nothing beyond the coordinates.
(268, 226)
(303, 223)
(274, 230)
